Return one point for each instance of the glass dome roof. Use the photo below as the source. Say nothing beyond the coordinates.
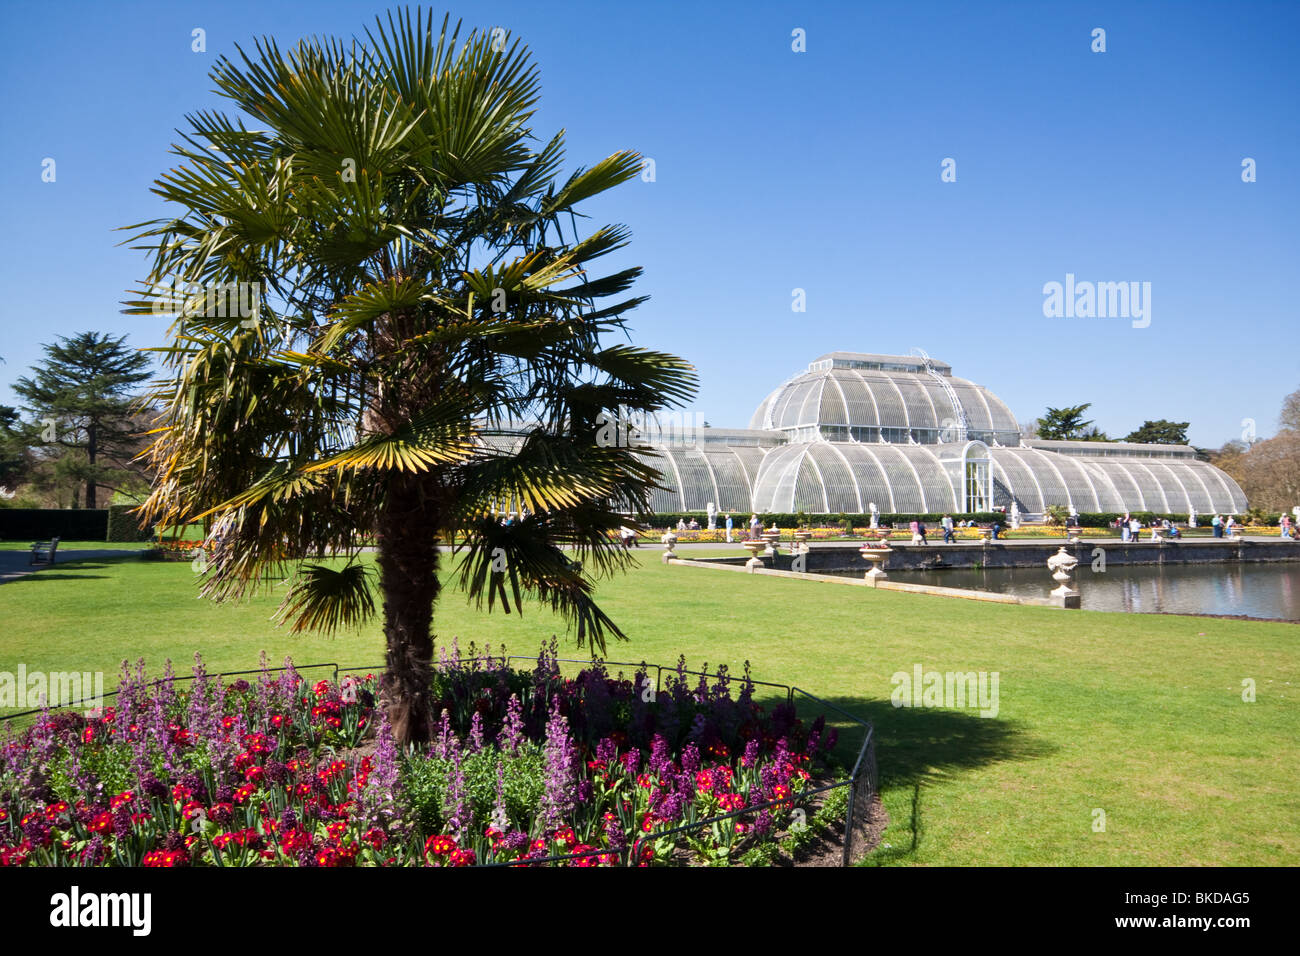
(858, 429)
(843, 401)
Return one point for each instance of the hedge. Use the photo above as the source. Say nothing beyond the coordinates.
(41, 524)
(125, 526)
(1103, 519)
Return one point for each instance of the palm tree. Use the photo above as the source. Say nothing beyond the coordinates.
(424, 352)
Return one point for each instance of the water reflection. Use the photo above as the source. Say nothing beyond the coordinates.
(1257, 590)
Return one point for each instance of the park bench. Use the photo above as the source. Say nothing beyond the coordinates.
(48, 548)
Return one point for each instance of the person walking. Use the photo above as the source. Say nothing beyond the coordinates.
(1217, 524)
(1135, 529)
(755, 527)
(920, 530)
(1286, 525)
(728, 517)
(916, 533)
(948, 536)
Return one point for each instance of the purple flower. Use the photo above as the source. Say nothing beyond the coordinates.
(672, 807)
(512, 734)
(476, 733)
(614, 834)
(447, 741)
(460, 816)
(560, 794)
(500, 816)
(691, 758)
(378, 799)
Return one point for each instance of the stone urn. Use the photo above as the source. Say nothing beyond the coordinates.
(772, 537)
(670, 541)
(878, 554)
(754, 548)
(801, 539)
(1073, 533)
(1061, 565)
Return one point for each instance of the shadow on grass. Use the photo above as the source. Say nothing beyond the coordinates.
(918, 745)
(70, 570)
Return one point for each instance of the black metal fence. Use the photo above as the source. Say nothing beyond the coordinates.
(862, 780)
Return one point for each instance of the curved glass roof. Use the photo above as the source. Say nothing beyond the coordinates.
(919, 402)
(859, 428)
(838, 477)
(1035, 478)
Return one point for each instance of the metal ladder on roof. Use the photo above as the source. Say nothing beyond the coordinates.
(948, 391)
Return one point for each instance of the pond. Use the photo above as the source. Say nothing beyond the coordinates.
(1265, 590)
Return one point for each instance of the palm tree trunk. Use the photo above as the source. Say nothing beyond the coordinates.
(408, 577)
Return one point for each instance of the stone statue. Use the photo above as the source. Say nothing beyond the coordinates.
(1191, 518)
(1015, 514)
(875, 515)
(713, 516)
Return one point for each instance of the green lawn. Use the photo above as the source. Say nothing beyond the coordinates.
(1140, 716)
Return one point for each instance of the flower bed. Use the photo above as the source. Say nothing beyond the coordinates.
(527, 767)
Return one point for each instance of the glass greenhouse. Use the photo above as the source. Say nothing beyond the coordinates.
(902, 433)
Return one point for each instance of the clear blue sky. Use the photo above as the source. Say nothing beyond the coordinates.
(778, 170)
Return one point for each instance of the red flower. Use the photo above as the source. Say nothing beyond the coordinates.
(439, 845)
(731, 801)
(294, 840)
(461, 858)
(166, 858)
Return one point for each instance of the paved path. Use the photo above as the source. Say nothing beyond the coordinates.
(17, 564)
